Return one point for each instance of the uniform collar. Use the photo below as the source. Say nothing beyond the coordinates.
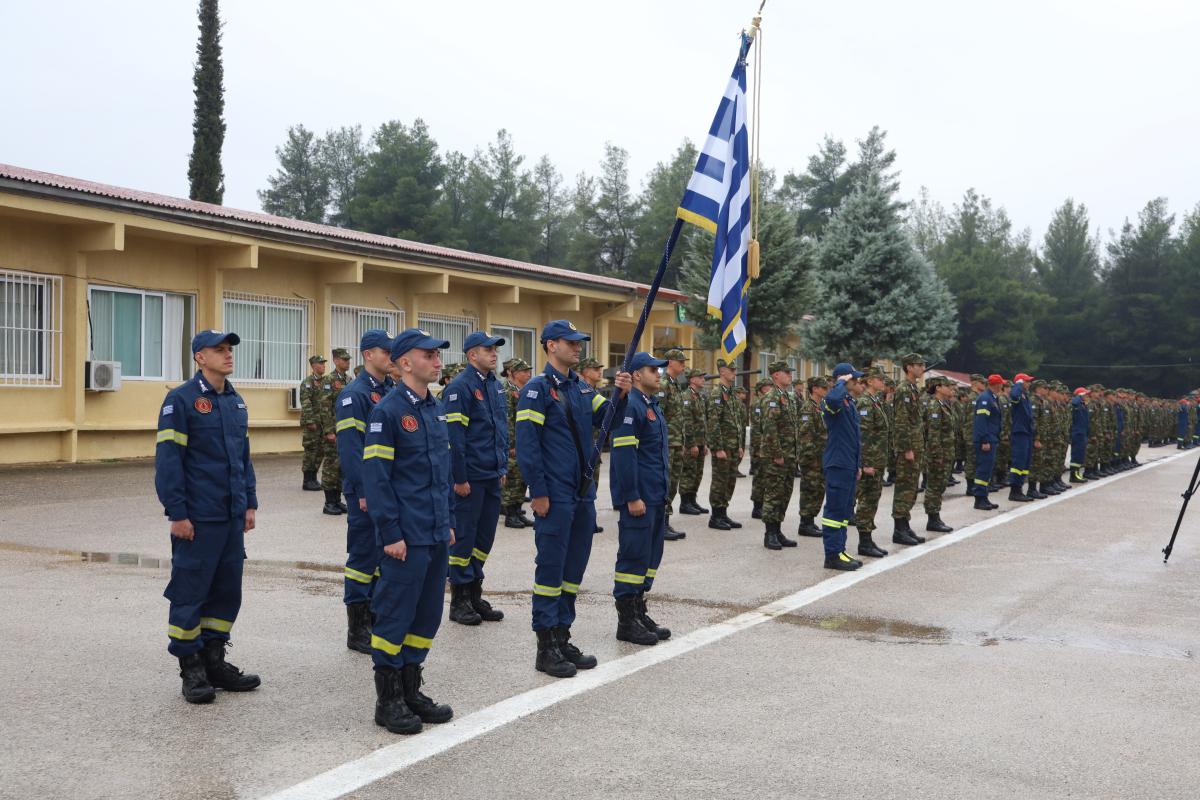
(413, 398)
(557, 377)
(482, 376)
(206, 389)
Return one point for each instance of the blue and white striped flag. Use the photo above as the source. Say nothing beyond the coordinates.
(718, 200)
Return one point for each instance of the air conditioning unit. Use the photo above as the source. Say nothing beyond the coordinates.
(102, 376)
(294, 398)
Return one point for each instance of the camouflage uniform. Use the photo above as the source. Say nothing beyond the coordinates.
(908, 433)
(810, 449)
(695, 412)
(778, 441)
(724, 420)
(874, 427)
(312, 414)
(332, 384)
(1004, 449)
(670, 402)
(512, 496)
(967, 424)
(757, 406)
(939, 449)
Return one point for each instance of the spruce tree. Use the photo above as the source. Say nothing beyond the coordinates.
(205, 176)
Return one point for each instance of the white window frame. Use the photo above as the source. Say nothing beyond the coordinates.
(449, 356)
(188, 365)
(765, 357)
(304, 345)
(397, 325)
(509, 333)
(47, 333)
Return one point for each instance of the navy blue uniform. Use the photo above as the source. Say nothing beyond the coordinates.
(406, 477)
(986, 430)
(1079, 434)
(555, 417)
(638, 471)
(202, 473)
(477, 413)
(841, 462)
(1022, 436)
(1181, 426)
(353, 407)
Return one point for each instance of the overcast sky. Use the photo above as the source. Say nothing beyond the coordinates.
(1029, 101)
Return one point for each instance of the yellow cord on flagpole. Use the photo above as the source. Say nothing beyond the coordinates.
(753, 256)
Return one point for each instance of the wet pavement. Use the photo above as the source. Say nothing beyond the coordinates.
(1052, 655)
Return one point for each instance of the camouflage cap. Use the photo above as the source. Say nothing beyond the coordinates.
(1096, 387)
(589, 363)
(450, 370)
(1038, 383)
(975, 376)
(317, 359)
(357, 370)
(675, 354)
(740, 390)
(695, 373)
(778, 366)
(935, 381)
(341, 352)
(817, 382)
(721, 362)
(912, 358)
(876, 372)
(758, 387)
(518, 365)
(889, 382)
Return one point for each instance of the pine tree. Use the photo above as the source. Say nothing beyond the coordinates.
(343, 158)
(300, 187)
(583, 252)
(501, 203)
(875, 295)
(614, 213)
(553, 208)
(817, 193)
(398, 191)
(1068, 270)
(206, 180)
(657, 208)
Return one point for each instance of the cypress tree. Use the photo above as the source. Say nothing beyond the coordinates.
(205, 177)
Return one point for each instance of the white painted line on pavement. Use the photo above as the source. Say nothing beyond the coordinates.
(436, 739)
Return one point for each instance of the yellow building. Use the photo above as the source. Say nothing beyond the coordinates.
(94, 275)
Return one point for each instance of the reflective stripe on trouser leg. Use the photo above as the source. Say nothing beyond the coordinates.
(206, 585)
(840, 485)
(1019, 460)
(475, 530)
(563, 539)
(407, 603)
(635, 546)
(579, 550)
(1078, 451)
(984, 464)
(362, 554)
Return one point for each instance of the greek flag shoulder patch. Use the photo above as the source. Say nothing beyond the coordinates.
(376, 427)
(628, 421)
(532, 393)
(168, 409)
(864, 412)
(453, 396)
(347, 401)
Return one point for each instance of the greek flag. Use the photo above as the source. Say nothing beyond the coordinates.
(718, 200)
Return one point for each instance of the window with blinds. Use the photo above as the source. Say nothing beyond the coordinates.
(149, 333)
(274, 334)
(452, 329)
(348, 323)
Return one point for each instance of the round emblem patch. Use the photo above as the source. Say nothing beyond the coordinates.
(374, 397)
(554, 394)
(203, 405)
(650, 415)
(409, 423)
(478, 394)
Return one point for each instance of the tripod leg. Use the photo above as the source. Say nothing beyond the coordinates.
(1191, 490)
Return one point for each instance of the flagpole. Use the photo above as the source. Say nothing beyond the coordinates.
(606, 426)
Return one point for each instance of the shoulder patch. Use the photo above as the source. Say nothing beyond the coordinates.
(376, 427)
(168, 409)
(863, 412)
(628, 421)
(453, 396)
(347, 401)
(531, 393)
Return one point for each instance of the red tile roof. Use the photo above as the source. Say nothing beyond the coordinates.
(162, 201)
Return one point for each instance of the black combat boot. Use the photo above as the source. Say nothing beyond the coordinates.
(842, 562)
(958, 466)
(524, 517)
(983, 504)
(756, 513)
(717, 521)
(903, 534)
(784, 540)
(649, 624)
(482, 607)
(562, 635)
(730, 522)
(333, 506)
(1077, 476)
(771, 537)
(867, 546)
(310, 481)
(421, 705)
(550, 659)
(461, 610)
(1017, 496)
(358, 627)
(688, 505)
(808, 527)
(889, 479)
(936, 525)
(390, 709)
(1033, 494)
(196, 688)
(1048, 488)
(629, 623)
(672, 535)
(512, 519)
(223, 675)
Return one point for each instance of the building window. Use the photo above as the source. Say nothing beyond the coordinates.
(452, 329)
(148, 333)
(518, 343)
(30, 329)
(764, 361)
(274, 334)
(349, 322)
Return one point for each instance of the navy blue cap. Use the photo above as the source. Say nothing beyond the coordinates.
(375, 337)
(481, 339)
(213, 338)
(563, 329)
(643, 359)
(415, 339)
(845, 369)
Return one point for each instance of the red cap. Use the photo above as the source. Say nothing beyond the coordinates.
(1081, 390)
(994, 378)
(1021, 376)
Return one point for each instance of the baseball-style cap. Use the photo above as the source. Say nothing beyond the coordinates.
(414, 339)
(1081, 390)
(994, 379)
(778, 366)
(316, 359)
(481, 339)
(340, 352)
(212, 338)
(846, 369)
(1021, 376)
(675, 354)
(563, 329)
(375, 337)
(643, 359)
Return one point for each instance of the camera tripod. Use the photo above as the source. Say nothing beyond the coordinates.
(1191, 490)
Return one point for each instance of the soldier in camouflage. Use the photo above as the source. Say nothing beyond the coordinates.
(810, 447)
(310, 422)
(940, 427)
(695, 439)
(743, 409)
(726, 443)
(331, 468)
(777, 454)
(761, 390)
(874, 427)
(1004, 450)
(516, 374)
(671, 391)
(908, 444)
(889, 398)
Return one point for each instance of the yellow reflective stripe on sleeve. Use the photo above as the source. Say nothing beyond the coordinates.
(625, 441)
(547, 591)
(172, 435)
(380, 643)
(531, 415)
(456, 416)
(214, 624)
(597, 401)
(479, 554)
(379, 451)
(361, 577)
(350, 422)
(833, 523)
(625, 577)
(175, 632)
(983, 411)
(457, 561)
(570, 588)
(419, 642)
(650, 573)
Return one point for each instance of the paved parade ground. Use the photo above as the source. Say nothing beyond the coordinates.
(1043, 652)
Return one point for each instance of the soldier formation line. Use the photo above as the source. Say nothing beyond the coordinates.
(426, 479)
